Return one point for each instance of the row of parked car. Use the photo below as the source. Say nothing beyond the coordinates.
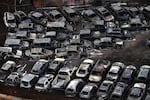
(90, 79)
(56, 37)
(103, 26)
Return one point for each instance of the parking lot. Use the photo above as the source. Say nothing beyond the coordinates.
(77, 37)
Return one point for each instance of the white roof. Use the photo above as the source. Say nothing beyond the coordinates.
(5, 49)
(88, 61)
(12, 42)
(140, 85)
(28, 77)
(56, 24)
(41, 40)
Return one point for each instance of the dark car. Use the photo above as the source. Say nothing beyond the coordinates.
(6, 69)
(115, 33)
(99, 71)
(119, 91)
(40, 67)
(105, 89)
(128, 74)
(144, 74)
(88, 91)
(120, 13)
(105, 13)
(55, 65)
(146, 11)
(137, 92)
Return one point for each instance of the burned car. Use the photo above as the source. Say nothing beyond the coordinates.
(115, 71)
(99, 71)
(55, 16)
(137, 92)
(74, 87)
(84, 68)
(105, 14)
(28, 81)
(38, 53)
(128, 74)
(9, 20)
(40, 67)
(119, 91)
(88, 91)
(6, 69)
(62, 78)
(44, 82)
(55, 65)
(105, 89)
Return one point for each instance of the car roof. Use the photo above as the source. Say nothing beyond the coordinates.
(127, 73)
(73, 84)
(10, 16)
(105, 39)
(37, 14)
(114, 69)
(39, 64)
(147, 7)
(28, 77)
(140, 85)
(42, 80)
(88, 12)
(51, 33)
(69, 10)
(7, 65)
(84, 66)
(12, 41)
(5, 49)
(54, 12)
(85, 31)
(41, 40)
(135, 20)
(56, 24)
(143, 73)
(88, 87)
(22, 33)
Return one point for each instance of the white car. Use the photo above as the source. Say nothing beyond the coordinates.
(44, 82)
(9, 20)
(84, 68)
(38, 53)
(62, 78)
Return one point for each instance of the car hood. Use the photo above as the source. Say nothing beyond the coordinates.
(95, 78)
(133, 98)
(58, 84)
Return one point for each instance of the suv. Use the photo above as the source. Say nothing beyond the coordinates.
(28, 81)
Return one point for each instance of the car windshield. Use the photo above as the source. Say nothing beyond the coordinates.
(136, 92)
(82, 71)
(84, 93)
(63, 73)
(25, 83)
(96, 73)
(102, 90)
(40, 84)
